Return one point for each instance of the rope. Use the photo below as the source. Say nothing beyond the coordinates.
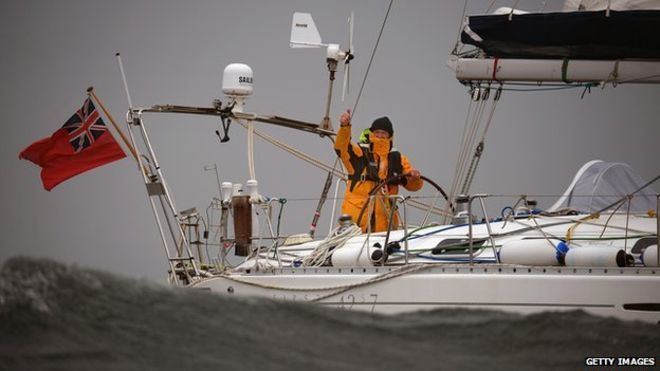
(476, 118)
(301, 155)
(465, 170)
(613, 77)
(480, 147)
(469, 135)
(467, 129)
(640, 78)
(455, 178)
(460, 30)
(406, 269)
(607, 222)
(470, 139)
(571, 229)
(334, 241)
(587, 222)
(490, 6)
(371, 59)
(539, 229)
(403, 270)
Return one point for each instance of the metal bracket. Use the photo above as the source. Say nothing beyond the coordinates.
(155, 189)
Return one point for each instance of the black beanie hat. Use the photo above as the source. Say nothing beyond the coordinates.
(382, 123)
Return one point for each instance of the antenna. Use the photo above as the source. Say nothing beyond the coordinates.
(237, 84)
(349, 57)
(123, 76)
(214, 167)
(304, 34)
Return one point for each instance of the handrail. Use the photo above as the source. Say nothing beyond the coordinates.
(402, 200)
(480, 196)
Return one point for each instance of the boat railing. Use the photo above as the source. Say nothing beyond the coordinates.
(395, 200)
(481, 198)
(267, 243)
(657, 230)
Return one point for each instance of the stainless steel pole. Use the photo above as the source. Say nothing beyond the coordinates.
(490, 232)
(470, 228)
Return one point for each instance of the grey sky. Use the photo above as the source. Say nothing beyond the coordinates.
(174, 53)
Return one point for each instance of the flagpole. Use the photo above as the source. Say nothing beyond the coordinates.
(91, 93)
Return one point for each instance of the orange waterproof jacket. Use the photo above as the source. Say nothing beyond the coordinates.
(357, 195)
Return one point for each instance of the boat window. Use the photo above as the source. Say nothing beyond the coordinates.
(453, 246)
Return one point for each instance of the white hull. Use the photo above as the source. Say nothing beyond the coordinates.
(442, 279)
(625, 293)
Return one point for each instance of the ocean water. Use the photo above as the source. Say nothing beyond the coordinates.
(59, 317)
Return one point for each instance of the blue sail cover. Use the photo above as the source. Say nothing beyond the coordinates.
(573, 35)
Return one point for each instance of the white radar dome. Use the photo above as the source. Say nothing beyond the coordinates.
(237, 80)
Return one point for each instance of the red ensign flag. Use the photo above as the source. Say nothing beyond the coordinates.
(83, 143)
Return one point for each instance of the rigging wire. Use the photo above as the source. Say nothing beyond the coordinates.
(465, 169)
(480, 147)
(458, 159)
(469, 132)
(371, 59)
(475, 129)
(638, 78)
(321, 165)
(491, 6)
(460, 30)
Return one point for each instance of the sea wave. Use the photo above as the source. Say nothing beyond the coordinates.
(60, 317)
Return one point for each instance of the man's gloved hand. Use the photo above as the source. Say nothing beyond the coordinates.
(345, 118)
(413, 174)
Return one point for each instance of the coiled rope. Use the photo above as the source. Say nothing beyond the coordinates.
(334, 241)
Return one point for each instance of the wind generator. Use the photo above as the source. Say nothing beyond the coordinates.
(304, 34)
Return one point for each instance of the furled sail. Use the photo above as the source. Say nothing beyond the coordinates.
(590, 5)
(596, 35)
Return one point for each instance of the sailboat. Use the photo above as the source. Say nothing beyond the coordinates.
(595, 249)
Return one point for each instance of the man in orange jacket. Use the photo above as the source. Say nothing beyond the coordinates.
(369, 163)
